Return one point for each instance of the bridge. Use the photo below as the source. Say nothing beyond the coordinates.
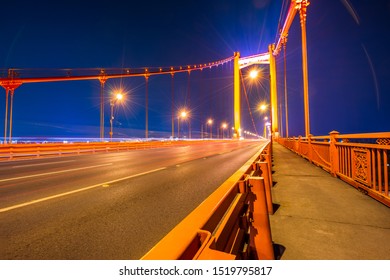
(218, 184)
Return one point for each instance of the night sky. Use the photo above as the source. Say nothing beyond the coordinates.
(348, 58)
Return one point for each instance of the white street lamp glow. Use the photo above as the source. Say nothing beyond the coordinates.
(253, 74)
(263, 107)
(119, 96)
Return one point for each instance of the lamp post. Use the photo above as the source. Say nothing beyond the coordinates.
(268, 129)
(210, 122)
(224, 126)
(183, 114)
(265, 126)
(117, 97)
(263, 108)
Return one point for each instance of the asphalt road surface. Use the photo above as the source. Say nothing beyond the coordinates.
(108, 206)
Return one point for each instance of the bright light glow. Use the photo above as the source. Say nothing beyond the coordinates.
(210, 121)
(183, 114)
(262, 107)
(224, 125)
(119, 93)
(253, 74)
(119, 96)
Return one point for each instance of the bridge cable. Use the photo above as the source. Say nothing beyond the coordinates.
(283, 11)
(247, 101)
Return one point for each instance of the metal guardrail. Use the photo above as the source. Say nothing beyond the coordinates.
(28, 151)
(232, 223)
(362, 160)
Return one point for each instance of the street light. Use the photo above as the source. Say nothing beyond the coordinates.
(210, 122)
(263, 107)
(267, 128)
(253, 74)
(183, 114)
(116, 98)
(224, 126)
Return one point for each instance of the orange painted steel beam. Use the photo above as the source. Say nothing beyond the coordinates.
(125, 72)
(292, 11)
(9, 84)
(302, 6)
(274, 94)
(265, 169)
(263, 239)
(237, 96)
(262, 58)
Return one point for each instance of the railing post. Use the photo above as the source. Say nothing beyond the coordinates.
(264, 168)
(262, 239)
(298, 150)
(333, 153)
(310, 152)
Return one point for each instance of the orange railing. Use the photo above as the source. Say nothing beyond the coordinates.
(232, 223)
(27, 151)
(361, 160)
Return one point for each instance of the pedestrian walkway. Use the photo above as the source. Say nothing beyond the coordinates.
(320, 217)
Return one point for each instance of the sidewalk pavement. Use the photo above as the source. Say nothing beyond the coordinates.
(320, 217)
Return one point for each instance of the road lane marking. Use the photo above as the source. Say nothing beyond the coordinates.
(37, 164)
(76, 191)
(54, 172)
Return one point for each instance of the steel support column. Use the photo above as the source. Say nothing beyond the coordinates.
(237, 109)
(302, 6)
(146, 106)
(274, 95)
(102, 80)
(284, 42)
(173, 105)
(9, 85)
(6, 115)
(10, 115)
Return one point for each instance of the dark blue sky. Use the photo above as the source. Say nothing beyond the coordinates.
(349, 81)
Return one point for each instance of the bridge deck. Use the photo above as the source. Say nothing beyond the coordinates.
(320, 217)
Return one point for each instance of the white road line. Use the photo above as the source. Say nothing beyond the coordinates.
(37, 164)
(76, 191)
(54, 172)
